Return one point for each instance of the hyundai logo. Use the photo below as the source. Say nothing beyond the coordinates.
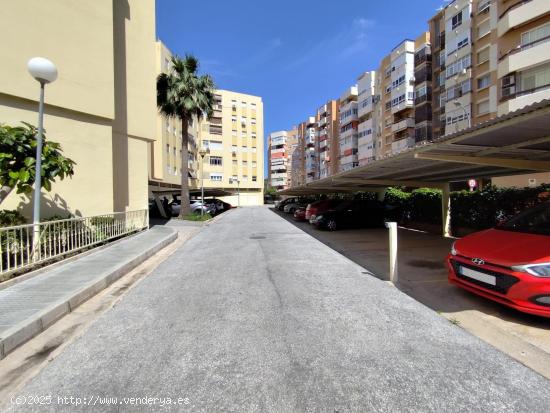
(478, 261)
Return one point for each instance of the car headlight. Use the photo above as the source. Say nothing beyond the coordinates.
(538, 270)
(453, 249)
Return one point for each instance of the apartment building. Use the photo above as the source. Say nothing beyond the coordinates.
(308, 131)
(278, 159)
(292, 150)
(102, 107)
(328, 121)
(523, 53)
(349, 123)
(399, 99)
(438, 43)
(235, 141)
(165, 167)
(368, 99)
(423, 109)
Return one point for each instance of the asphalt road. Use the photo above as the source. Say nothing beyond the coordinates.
(253, 314)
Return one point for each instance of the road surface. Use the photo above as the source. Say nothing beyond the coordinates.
(253, 314)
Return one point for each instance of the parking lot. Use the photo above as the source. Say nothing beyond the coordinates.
(423, 276)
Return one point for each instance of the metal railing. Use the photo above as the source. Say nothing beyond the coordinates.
(19, 251)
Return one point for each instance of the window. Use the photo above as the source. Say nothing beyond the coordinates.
(214, 176)
(484, 28)
(254, 178)
(213, 145)
(457, 20)
(233, 133)
(538, 33)
(234, 162)
(245, 164)
(244, 178)
(234, 148)
(483, 81)
(535, 78)
(216, 160)
(483, 55)
(253, 164)
(459, 66)
(483, 107)
(167, 149)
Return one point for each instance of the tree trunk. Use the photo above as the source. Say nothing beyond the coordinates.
(184, 197)
(4, 192)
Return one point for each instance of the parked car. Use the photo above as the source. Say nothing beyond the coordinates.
(356, 213)
(196, 207)
(280, 206)
(300, 214)
(509, 264)
(318, 207)
(293, 206)
(217, 205)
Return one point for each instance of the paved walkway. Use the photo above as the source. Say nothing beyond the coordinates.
(253, 314)
(28, 307)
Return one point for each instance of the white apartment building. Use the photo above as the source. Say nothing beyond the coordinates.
(278, 160)
(348, 129)
(366, 113)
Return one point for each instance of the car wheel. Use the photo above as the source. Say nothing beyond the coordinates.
(331, 225)
(292, 211)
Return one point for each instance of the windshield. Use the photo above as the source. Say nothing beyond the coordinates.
(534, 221)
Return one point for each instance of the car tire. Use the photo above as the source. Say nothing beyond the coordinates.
(292, 211)
(331, 225)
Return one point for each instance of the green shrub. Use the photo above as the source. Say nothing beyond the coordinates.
(197, 217)
(425, 205)
(10, 218)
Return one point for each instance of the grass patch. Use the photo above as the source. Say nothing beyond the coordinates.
(196, 217)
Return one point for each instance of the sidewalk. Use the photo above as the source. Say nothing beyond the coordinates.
(29, 307)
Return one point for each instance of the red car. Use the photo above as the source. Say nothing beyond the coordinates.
(509, 264)
(319, 207)
(300, 214)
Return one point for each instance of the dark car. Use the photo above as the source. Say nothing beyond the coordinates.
(318, 207)
(351, 214)
(217, 206)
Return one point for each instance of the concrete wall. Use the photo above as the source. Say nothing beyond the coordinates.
(101, 109)
(521, 181)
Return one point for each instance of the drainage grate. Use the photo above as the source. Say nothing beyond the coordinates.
(257, 237)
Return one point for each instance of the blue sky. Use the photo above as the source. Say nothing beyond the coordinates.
(294, 54)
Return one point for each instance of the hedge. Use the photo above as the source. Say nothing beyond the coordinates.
(477, 210)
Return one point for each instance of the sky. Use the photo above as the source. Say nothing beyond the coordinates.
(295, 54)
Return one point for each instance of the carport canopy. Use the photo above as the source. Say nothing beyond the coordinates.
(516, 143)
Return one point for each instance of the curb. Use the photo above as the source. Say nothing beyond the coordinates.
(37, 323)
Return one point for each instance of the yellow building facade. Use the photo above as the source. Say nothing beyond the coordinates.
(102, 107)
(235, 140)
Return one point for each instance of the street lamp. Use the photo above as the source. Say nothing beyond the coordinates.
(44, 71)
(458, 105)
(238, 190)
(203, 152)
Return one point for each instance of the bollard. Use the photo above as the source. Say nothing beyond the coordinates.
(392, 226)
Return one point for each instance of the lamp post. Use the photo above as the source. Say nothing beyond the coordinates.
(44, 71)
(203, 152)
(458, 105)
(238, 191)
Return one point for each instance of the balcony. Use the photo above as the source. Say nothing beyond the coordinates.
(424, 98)
(524, 55)
(407, 104)
(516, 100)
(521, 13)
(402, 144)
(403, 124)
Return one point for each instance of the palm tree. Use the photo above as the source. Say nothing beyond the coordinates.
(183, 94)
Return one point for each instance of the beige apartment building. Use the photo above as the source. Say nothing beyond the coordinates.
(101, 108)
(233, 137)
(292, 150)
(165, 153)
(368, 99)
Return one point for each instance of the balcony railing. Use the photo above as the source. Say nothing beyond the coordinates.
(522, 47)
(510, 92)
(20, 250)
(512, 7)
